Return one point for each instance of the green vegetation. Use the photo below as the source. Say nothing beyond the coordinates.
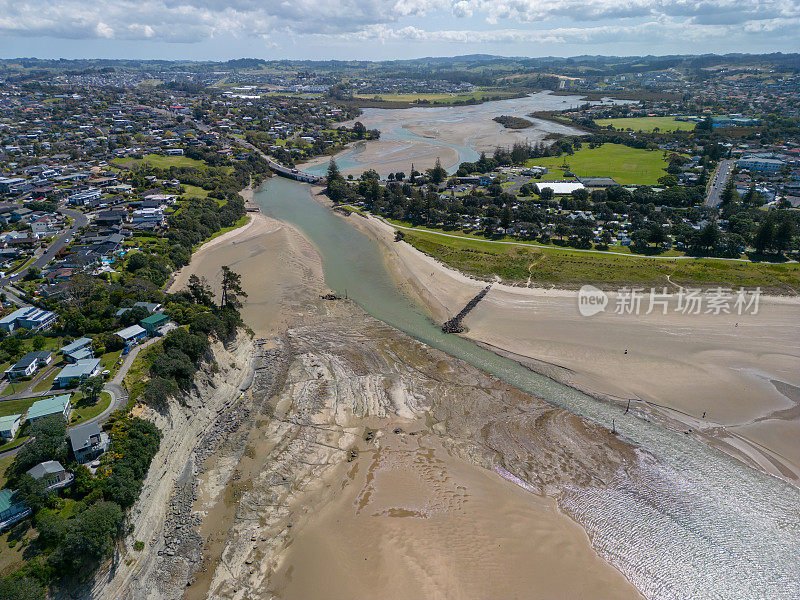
(647, 124)
(244, 220)
(624, 164)
(16, 407)
(513, 263)
(46, 382)
(161, 162)
(89, 410)
(513, 122)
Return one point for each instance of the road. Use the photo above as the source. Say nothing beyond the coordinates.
(64, 238)
(714, 195)
(114, 388)
(275, 166)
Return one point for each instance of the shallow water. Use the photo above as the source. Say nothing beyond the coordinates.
(393, 125)
(694, 523)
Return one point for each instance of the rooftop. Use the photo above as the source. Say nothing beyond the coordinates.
(48, 406)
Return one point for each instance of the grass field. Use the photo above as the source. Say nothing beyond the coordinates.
(16, 407)
(647, 124)
(162, 162)
(472, 235)
(84, 413)
(192, 191)
(572, 269)
(628, 166)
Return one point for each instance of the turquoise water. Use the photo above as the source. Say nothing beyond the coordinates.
(692, 523)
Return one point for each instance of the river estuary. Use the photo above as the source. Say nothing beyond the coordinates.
(694, 523)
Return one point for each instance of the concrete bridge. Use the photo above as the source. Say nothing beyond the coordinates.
(293, 173)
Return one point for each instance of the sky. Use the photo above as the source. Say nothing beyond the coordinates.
(390, 29)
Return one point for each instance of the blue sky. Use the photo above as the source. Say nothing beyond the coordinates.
(387, 29)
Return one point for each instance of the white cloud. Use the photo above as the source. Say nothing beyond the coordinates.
(529, 21)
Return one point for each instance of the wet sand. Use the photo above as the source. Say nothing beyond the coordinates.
(413, 521)
(280, 269)
(420, 135)
(393, 156)
(295, 514)
(679, 366)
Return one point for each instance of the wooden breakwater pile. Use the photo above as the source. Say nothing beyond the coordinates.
(454, 324)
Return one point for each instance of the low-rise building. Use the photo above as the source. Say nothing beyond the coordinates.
(28, 317)
(46, 407)
(52, 474)
(29, 364)
(88, 442)
(154, 323)
(78, 350)
(12, 508)
(9, 425)
(132, 335)
(78, 371)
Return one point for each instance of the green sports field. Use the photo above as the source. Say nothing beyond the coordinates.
(628, 166)
(647, 124)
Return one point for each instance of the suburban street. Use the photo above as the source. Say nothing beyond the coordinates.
(64, 238)
(713, 198)
(114, 388)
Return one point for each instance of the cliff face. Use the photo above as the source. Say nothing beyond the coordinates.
(369, 440)
(192, 428)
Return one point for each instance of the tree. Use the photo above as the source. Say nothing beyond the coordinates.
(200, 290)
(14, 587)
(333, 172)
(39, 343)
(158, 390)
(763, 239)
(783, 235)
(231, 289)
(32, 492)
(437, 173)
(33, 274)
(505, 217)
(89, 537)
(91, 388)
(359, 129)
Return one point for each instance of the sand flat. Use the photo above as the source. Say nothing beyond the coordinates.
(413, 521)
(680, 365)
(281, 271)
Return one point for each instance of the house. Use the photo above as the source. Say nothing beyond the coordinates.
(148, 218)
(28, 364)
(132, 335)
(84, 197)
(12, 508)
(9, 425)
(79, 370)
(43, 226)
(88, 442)
(78, 350)
(46, 407)
(28, 317)
(52, 474)
(154, 323)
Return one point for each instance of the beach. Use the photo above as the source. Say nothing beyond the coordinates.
(281, 273)
(743, 372)
(373, 462)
